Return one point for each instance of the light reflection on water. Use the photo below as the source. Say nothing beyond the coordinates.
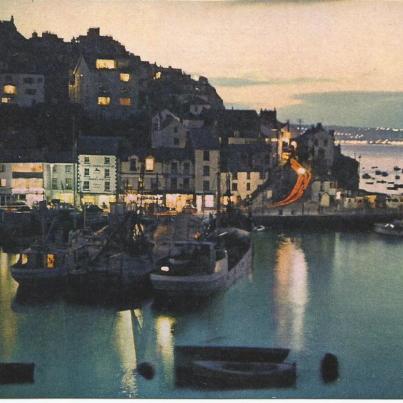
(290, 292)
(164, 326)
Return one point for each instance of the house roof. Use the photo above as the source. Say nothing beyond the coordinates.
(97, 145)
(162, 153)
(203, 139)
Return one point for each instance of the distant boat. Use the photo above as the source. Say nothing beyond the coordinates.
(384, 173)
(397, 177)
(366, 176)
(369, 183)
(396, 168)
(394, 228)
(378, 172)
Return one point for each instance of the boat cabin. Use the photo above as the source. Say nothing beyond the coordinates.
(190, 258)
(39, 260)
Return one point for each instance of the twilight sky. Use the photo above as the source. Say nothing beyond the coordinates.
(336, 61)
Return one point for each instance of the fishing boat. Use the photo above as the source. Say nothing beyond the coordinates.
(41, 265)
(394, 228)
(201, 268)
(228, 366)
(259, 228)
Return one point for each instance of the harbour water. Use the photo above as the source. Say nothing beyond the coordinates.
(315, 293)
(336, 292)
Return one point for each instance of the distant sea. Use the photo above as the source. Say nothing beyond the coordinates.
(383, 156)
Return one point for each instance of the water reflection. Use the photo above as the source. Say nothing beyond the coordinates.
(290, 293)
(125, 343)
(164, 327)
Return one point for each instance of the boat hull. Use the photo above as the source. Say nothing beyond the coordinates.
(38, 277)
(201, 285)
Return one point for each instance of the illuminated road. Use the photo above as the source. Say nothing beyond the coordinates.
(303, 180)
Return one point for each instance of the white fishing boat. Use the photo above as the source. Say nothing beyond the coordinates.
(201, 268)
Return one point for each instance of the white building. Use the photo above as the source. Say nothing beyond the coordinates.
(97, 172)
(22, 89)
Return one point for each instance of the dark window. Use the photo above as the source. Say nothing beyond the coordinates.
(325, 142)
(107, 161)
(234, 186)
(176, 129)
(86, 160)
(67, 169)
(176, 141)
(206, 186)
(54, 183)
(248, 186)
(69, 183)
(86, 172)
(174, 167)
(261, 175)
(247, 175)
(133, 165)
(186, 183)
(30, 91)
(206, 156)
(235, 176)
(186, 168)
(174, 183)
(107, 186)
(206, 170)
(2, 168)
(86, 185)
(107, 173)
(28, 80)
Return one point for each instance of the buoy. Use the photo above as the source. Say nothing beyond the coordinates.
(146, 370)
(329, 367)
(16, 373)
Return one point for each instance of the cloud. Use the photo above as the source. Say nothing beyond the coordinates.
(247, 82)
(371, 109)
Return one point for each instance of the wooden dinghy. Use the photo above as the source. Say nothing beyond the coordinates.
(244, 374)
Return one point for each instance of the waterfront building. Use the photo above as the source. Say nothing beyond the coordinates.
(98, 170)
(22, 176)
(59, 178)
(161, 176)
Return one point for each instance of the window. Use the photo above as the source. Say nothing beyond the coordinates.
(10, 89)
(107, 160)
(54, 169)
(2, 168)
(248, 186)
(69, 183)
(234, 186)
(30, 91)
(157, 75)
(206, 186)
(3, 182)
(54, 183)
(125, 101)
(261, 175)
(28, 80)
(105, 64)
(86, 160)
(174, 167)
(107, 186)
(5, 100)
(107, 173)
(206, 170)
(86, 172)
(104, 101)
(176, 141)
(125, 77)
(325, 142)
(67, 169)
(133, 165)
(248, 175)
(235, 176)
(176, 129)
(206, 156)
(174, 183)
(86, 185)
(186, 168)
(149, 164)
(186, 183)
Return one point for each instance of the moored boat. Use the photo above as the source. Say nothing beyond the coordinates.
(201, 268)
(394, 228)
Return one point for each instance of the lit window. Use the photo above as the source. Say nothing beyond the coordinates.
(3, 182)
(124, 77)
(150, 164)
(106, 64)
(51, 261)
(10, 89)
(5, 100)
(157, 75)
(104, 101)
(125, 101)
